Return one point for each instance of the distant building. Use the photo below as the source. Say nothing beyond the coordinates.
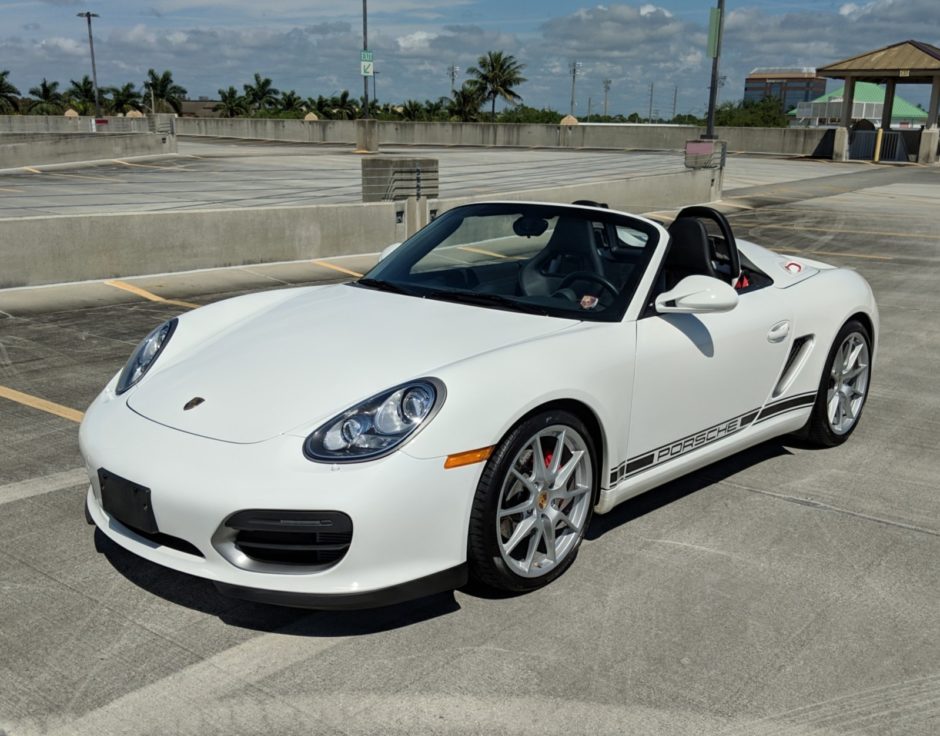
(201, 108)
(867, 105)
(789, 85)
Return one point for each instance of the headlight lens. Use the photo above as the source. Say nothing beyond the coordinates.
(145, 355)
(378, 425)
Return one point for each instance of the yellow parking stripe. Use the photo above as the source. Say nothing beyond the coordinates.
(36, 403)
(31, 170)
(334, 267)
(143, 166)
(149, 296)
(480, 251)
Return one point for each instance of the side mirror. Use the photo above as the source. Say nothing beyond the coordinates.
(697, 295)
(387, 251)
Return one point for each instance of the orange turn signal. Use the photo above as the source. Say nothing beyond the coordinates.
(468, 458)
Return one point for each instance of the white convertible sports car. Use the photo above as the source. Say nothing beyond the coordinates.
(461, 411)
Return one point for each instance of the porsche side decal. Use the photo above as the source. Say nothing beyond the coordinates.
(671, 451)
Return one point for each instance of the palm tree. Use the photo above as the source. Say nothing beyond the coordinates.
(261, 95)
(436, 109)
(124, 98)
(291, 102)
(320, 105)
(81, 95)
(465, 105)
(48, 100)
(495, 75)
(412, 110)
(343, 108)
(9, 95)
(166, 93)
(231, 104)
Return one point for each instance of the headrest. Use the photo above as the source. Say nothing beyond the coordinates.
(689, 247)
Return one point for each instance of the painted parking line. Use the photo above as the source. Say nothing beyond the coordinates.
(481, 251)
(148, 295)
(146, 166)
(35, 402)
(45, 484)
(31, 170)
(15, 191)
(866, 256)
(334, 267)
(888, 233)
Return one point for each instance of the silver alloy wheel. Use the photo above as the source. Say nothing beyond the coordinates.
(848, 383)
(544, 501)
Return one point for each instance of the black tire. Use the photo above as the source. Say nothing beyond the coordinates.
(488, 568)
(819, 431)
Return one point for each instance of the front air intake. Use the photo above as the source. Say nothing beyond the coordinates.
(313, 539)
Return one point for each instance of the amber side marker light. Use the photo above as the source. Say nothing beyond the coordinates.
(468, 458)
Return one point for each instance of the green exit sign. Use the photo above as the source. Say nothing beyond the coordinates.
(365, 55)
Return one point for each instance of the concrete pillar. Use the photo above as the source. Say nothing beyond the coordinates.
(367, 136)
(840, 144)
(848, 97)
(932, 109)
(889, 105)
(417, 215)
(929, 139)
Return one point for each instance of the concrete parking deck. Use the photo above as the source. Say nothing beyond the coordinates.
(785, 591)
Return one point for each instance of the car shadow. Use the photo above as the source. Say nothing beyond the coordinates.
(670, 492)
(201, 595)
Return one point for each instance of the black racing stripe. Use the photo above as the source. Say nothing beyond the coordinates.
(749, 418)
(779, 407)
(638, 463)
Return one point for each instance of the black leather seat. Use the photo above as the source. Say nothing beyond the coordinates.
(689, 252)
(571, 248)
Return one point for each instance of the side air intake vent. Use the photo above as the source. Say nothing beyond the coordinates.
(801, 348)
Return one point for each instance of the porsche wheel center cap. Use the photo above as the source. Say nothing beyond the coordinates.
(543, 500)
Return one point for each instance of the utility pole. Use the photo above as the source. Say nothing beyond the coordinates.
(589, 108)
(649, 119)
(607, 83)
(94, 72)
(574, 66)
(715, 28)
(453, 70)
(365, 47)
(675, 99)
(375, 95)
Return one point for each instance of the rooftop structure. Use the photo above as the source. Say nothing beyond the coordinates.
(868, 104)
(789, 85)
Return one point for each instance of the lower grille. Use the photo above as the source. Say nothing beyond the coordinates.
(302, 538)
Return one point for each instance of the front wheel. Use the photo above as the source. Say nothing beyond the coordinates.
(843, 388)
(533, 503)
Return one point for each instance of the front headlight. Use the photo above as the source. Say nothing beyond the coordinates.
(145, 355)
(378, 425)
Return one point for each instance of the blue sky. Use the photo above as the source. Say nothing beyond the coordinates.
(311, 46)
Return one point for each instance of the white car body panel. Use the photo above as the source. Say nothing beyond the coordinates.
(682, 389)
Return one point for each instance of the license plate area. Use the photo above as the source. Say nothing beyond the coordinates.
(127, 502)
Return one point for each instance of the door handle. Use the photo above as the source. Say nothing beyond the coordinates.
(779, 332)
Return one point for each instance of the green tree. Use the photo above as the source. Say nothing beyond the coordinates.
(291, 102)
(167, 95)
(231, 104)
(525, 114)
(9, 95)
(412, 110)
(81, 95)
(464, 104)
(47, 99)
(496, 75)
(123, 99)
(342, 107)
(261, 95)
(767, 113)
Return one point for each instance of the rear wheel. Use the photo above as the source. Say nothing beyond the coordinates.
(843, 388)
(533, 504)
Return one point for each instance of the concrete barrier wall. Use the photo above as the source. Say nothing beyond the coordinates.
(62, 124)
(32, 149)
(44, 250)
(791, 141)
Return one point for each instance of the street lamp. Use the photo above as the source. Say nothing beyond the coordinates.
(574, 67)
(365, 47)
(453, 70)
(91, 45)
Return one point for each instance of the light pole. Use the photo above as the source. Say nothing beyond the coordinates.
(574, 67)
(375, 95)
(715, 27)
(94, 72)
(607, 84)
(365, 47)
(453, 70)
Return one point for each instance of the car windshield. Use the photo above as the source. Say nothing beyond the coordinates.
(562, 261)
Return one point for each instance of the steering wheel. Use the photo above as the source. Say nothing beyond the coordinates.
(587, 276)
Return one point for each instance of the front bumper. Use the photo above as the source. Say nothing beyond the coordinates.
(410, 516)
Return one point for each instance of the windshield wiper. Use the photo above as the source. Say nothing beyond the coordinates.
(485, 299)
(385, 286)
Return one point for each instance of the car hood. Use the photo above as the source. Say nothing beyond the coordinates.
(314, 355)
